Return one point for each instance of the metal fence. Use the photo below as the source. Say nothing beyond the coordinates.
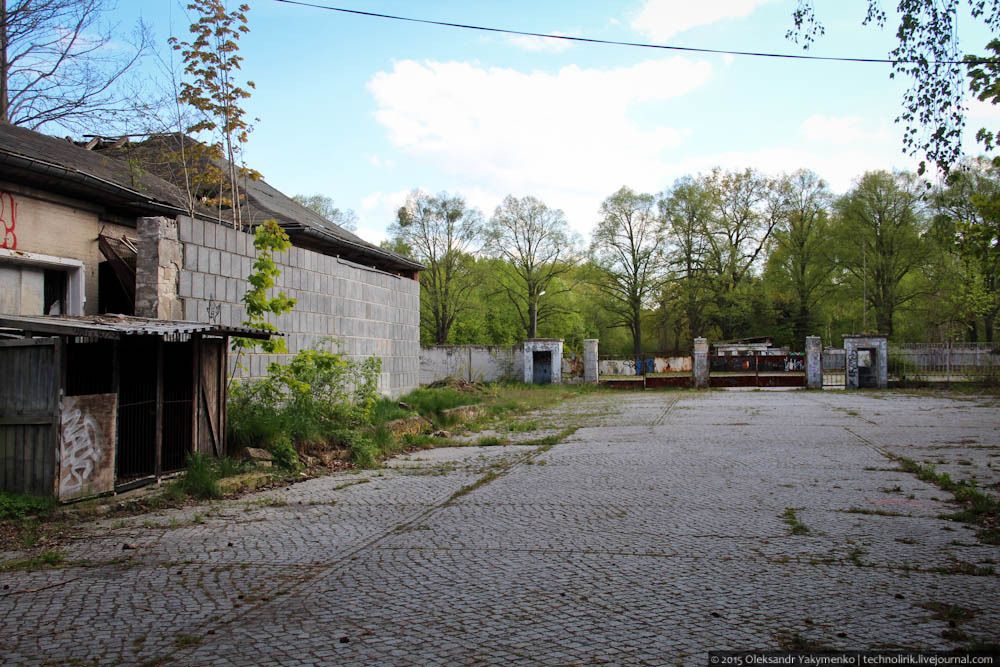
(944, 363)
(834, 366)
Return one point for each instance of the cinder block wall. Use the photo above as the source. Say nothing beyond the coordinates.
(366, 311)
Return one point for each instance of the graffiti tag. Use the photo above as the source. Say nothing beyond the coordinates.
(8, 221)
(81, 452)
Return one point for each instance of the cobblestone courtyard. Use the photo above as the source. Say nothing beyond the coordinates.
(651, 535)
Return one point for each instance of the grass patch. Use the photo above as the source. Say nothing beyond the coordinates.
(855, 556)
(387, 410)
(183, 641)
(523, 426)
(876, 512)
(492, 441)
(432, 402)
(793, 522)
(20, 506)
(42, 561)
(952, 613)
(979, 508)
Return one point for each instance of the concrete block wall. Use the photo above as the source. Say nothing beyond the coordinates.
(365, 311)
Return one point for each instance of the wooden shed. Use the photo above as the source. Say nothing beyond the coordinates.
(95, 404)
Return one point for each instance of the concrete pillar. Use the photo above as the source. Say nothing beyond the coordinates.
(157, 269)
(814, 362)
(590, 372)
(700, 366)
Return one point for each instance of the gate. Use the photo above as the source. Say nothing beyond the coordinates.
(834, 367)
(29, 414)
(757, 370)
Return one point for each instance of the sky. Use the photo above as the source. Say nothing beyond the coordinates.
(364, 110)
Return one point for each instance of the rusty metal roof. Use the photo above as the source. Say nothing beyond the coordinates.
(116, 326)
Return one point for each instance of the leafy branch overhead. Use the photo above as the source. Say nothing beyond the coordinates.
(928, 54)
(260, 304)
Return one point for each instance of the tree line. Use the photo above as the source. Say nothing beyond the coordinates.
(726, 255)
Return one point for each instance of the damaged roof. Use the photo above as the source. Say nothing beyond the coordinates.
(136, 179)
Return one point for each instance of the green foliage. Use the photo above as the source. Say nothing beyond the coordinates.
(386, 410)
(268, 239)
(19, 506)
(314, 398)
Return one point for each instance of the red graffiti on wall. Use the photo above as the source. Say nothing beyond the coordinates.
(8, 221)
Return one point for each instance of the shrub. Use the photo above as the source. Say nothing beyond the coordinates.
(432, 402)
(316, 394)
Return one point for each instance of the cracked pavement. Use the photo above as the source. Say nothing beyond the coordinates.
(650, 536)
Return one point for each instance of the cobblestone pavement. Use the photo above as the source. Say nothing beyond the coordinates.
(651, 535)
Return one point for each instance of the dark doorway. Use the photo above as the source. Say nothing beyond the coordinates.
(137, 408)
(541, 365)
(867, 365)
(111, 296)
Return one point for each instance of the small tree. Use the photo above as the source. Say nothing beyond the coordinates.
(213, 62)
(268, 239)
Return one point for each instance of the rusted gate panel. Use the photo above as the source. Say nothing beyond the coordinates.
(757, 370)
(31, 370)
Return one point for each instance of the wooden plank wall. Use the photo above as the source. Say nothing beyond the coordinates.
(30, 377)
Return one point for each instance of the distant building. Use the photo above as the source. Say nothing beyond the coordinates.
(89, 229)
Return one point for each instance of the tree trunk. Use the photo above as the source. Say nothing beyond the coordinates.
(533, 318)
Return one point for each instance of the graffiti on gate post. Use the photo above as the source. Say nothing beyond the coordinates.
(8, 221)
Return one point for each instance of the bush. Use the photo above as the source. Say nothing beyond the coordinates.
(316, 394)
(387, 410)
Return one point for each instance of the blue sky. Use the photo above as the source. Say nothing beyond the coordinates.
(364, 110)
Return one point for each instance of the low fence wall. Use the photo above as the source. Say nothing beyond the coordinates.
(955, 362)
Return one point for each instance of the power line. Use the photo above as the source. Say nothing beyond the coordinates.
(641, 45)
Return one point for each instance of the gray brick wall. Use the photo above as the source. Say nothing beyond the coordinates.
(367, 312)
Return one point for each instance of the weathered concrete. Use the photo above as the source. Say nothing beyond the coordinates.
(700, 364)
(814, 362)
(157, 269)
(590, 358)
(363, 311)
(852, 345)
(551, 345)
(651, 536)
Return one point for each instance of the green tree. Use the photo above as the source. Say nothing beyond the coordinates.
(57, 64)
(442, 232)
(968, 223)
(536, 243)
(879, 244)
(748, 207)
(213, 63)
(324, 206)
(928, 53)
(687, 210)
(260, 304)
(798, 262)
(628, 251)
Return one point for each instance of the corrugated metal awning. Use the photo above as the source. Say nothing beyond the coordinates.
(116, 326)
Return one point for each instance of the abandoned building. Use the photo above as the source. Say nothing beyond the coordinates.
(86, 230)
(93, 404)
(117, 301)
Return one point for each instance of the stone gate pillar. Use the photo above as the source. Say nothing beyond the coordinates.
(814, 362)
(590, 371)
(867, 361)
(700, 365)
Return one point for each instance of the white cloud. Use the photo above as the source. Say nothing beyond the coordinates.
(543, 44)
(662, 19)
(838, 148)
(564, 136)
